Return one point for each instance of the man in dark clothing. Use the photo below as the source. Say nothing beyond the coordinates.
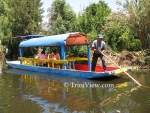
(98, 46)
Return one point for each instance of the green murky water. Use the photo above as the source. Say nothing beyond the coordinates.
(30, 92)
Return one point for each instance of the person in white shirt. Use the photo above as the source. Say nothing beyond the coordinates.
(98, 46)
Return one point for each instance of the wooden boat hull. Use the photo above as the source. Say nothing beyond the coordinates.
(61, 72)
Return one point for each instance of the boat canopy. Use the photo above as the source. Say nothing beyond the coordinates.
(69, 39)
(75, 38)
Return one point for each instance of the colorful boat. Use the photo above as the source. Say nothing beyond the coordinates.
(67, 65)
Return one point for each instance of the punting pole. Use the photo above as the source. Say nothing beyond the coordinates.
(122, 70)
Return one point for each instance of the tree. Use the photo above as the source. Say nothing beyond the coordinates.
(27, 15)
(61, 17)
(118, 35)
(92, 19)
(5, 30)
(137, 16)
(21, 17)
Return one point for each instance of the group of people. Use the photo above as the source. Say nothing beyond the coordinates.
(53, 56)
(98, 47)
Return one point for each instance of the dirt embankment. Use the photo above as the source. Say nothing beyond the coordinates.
(126, 58)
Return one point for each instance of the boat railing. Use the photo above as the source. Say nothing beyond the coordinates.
(71, 61)
(42, 62)
(77, 58)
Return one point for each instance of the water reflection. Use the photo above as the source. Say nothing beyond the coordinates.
(53, 94)
(2, 63)
(31, 92)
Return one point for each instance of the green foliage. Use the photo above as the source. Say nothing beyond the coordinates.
(118, 35)
(138, 19)
(61, 17)
(92, 35)
(113, 31)
(19, 17)
(135, 45)
(88, 22)
(76, 51)
(147, 60)
(5, 30)
(93, 18)
(27, 15)
(126, 30)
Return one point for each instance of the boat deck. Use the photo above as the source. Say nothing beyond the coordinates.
(14, 62)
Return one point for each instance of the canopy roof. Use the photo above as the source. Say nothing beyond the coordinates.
(57, 40)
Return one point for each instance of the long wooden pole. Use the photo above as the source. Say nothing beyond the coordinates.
(122, 70)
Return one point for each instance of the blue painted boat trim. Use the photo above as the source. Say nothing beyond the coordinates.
(62, 72)
(89, 57)
(63, 55)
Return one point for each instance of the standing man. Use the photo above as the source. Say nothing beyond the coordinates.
(98, 46)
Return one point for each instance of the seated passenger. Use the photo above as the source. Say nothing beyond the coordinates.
(57, 54)
(42, 55)
(54, 55)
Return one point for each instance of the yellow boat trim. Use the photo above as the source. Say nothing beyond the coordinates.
(33, 61)
(118, 71)
(77, 58)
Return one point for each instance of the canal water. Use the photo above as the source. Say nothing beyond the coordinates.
(30, 92)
